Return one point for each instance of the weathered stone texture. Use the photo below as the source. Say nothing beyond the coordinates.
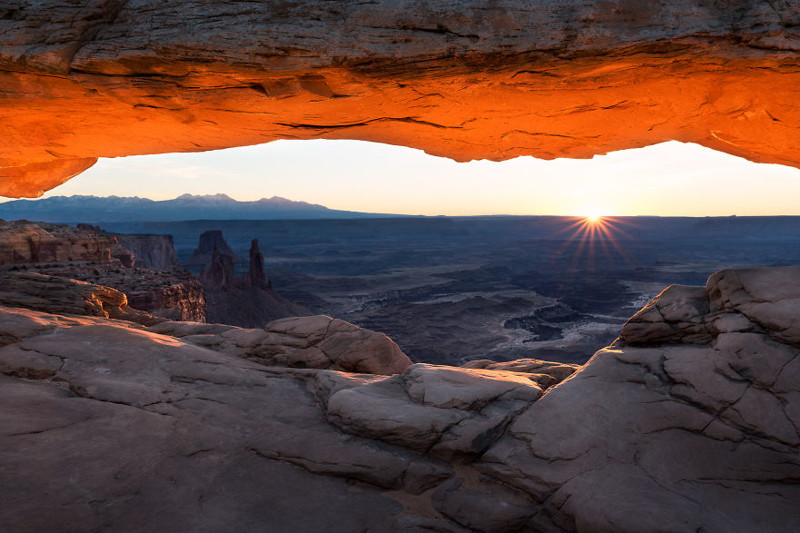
(113, 426)
(465, 80)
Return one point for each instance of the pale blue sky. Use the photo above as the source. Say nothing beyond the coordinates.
(666, 179)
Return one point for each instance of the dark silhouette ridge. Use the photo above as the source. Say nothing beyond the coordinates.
(257, 275)
(248, 301)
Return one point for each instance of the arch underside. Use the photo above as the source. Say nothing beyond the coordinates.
(567, 79)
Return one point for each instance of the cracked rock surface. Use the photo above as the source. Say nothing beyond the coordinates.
(114, 426)
(300, 342)
(467, 79)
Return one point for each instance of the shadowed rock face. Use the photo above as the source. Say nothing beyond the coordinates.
(256, 274)
(209, 241)
(248, 301)
(465, 80)
(177, 427)
(154, 252)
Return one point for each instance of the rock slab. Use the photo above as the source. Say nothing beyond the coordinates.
(113, 426)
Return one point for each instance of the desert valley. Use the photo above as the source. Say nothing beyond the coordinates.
(205, 364)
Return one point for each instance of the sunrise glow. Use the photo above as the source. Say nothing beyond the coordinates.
(647, 181)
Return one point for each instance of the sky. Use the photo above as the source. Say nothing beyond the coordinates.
(669, 179)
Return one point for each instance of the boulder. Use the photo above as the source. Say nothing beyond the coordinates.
(299, 342)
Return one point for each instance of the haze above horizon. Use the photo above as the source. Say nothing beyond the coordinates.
(669, 179)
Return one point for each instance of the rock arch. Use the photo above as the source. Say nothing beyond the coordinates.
(462, 79)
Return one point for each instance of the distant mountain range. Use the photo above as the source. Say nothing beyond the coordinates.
(96, 209)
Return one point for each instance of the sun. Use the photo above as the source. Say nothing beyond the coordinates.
(593, 215)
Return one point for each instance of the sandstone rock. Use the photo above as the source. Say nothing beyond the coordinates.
(500, 511)
(156, 461)
(130, 429)
(66, 296)
(769, 298)
(744, 300)
(19, 323)
(256, 275)
(29, 243)
(179, 297)
(673, 421)
(153, 252)
(219, 274)
(88, 253)
(175, 295)
(453, 413)
(248, 301)
(300, 342)
(547, 373)
(459, 79)
(209, 241)
(678, 314)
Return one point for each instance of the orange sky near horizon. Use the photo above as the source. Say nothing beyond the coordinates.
(669, 179)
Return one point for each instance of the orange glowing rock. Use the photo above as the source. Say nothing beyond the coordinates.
(463, 80)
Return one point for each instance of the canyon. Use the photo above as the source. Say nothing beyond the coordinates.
(122, 410)
(145, 270)
(689, 421)
(152, 282)
(465, 80)
(452, 289)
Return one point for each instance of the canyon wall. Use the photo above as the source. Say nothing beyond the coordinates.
(29, 243)
(154, 252)
(466, 80)
(89, 254)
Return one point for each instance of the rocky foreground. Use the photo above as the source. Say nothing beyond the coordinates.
(689, 422)
(466, 79)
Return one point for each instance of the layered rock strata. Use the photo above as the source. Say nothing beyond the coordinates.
(466, 80)
(88, 253)
(31, 243)
(299, 342)
(164, 429)
(57, 295)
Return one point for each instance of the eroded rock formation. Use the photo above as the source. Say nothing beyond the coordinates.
(299, 342)
(89, 254)
(466, 80)
(56, 295)
(153, 252)
(666, 435)
(29, 243)
(209, 241)
(246, 301)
